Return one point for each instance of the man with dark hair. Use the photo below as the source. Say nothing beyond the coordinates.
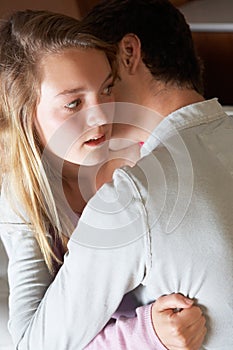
(164, 225)
(165, 38)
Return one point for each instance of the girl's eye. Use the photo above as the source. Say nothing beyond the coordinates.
(108, 90)
(73, 105)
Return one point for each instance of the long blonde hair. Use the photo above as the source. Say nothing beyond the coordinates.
(24, 40)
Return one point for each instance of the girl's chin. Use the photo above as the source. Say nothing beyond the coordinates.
(92, 158)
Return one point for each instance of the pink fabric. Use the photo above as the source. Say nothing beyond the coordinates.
(136, 333)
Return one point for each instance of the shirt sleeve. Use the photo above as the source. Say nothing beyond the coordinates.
(108, 256)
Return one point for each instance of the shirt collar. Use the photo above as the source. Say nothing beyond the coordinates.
(185, 117)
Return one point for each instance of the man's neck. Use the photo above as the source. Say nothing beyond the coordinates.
(167, 99)
(159, 103)
(149, 102)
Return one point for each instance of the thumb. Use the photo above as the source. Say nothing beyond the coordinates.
(173, 301)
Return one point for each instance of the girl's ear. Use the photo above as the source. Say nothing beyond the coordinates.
(130, 52)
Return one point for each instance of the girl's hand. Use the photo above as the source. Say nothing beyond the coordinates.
(178, 323)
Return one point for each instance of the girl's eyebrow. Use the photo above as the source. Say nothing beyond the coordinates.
(81, 88)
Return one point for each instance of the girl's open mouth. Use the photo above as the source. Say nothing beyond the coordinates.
(95, 141)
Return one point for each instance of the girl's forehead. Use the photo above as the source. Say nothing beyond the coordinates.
(73, 70)
(75, 61)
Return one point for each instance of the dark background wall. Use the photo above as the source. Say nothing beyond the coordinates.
(68, 7)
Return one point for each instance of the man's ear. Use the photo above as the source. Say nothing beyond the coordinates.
(130, 52)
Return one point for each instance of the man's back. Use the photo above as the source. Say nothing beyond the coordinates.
(165, 225)
(189, 203)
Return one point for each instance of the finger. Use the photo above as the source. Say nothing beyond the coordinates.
(198, 341)
(189, 338)
(172, 301)
(187, 317)
(196, 334)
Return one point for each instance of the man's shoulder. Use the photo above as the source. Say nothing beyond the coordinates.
(114, 216)
(118, 191)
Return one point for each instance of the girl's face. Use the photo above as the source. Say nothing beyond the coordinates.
(70, 118)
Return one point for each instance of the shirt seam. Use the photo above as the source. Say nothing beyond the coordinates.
(146, 223)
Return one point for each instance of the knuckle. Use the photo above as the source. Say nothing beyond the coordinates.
(204, 320)
(197, 310)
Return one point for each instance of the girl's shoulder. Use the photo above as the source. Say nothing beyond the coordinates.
(10, 210)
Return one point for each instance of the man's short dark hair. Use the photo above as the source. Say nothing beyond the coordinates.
(166, 40)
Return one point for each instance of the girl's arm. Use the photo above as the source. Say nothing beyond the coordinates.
(29, 279)
(128, 333)
(154, 325)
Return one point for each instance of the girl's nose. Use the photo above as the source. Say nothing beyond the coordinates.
(97, 115)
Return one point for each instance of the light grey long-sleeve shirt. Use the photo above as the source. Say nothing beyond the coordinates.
(164, 226)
